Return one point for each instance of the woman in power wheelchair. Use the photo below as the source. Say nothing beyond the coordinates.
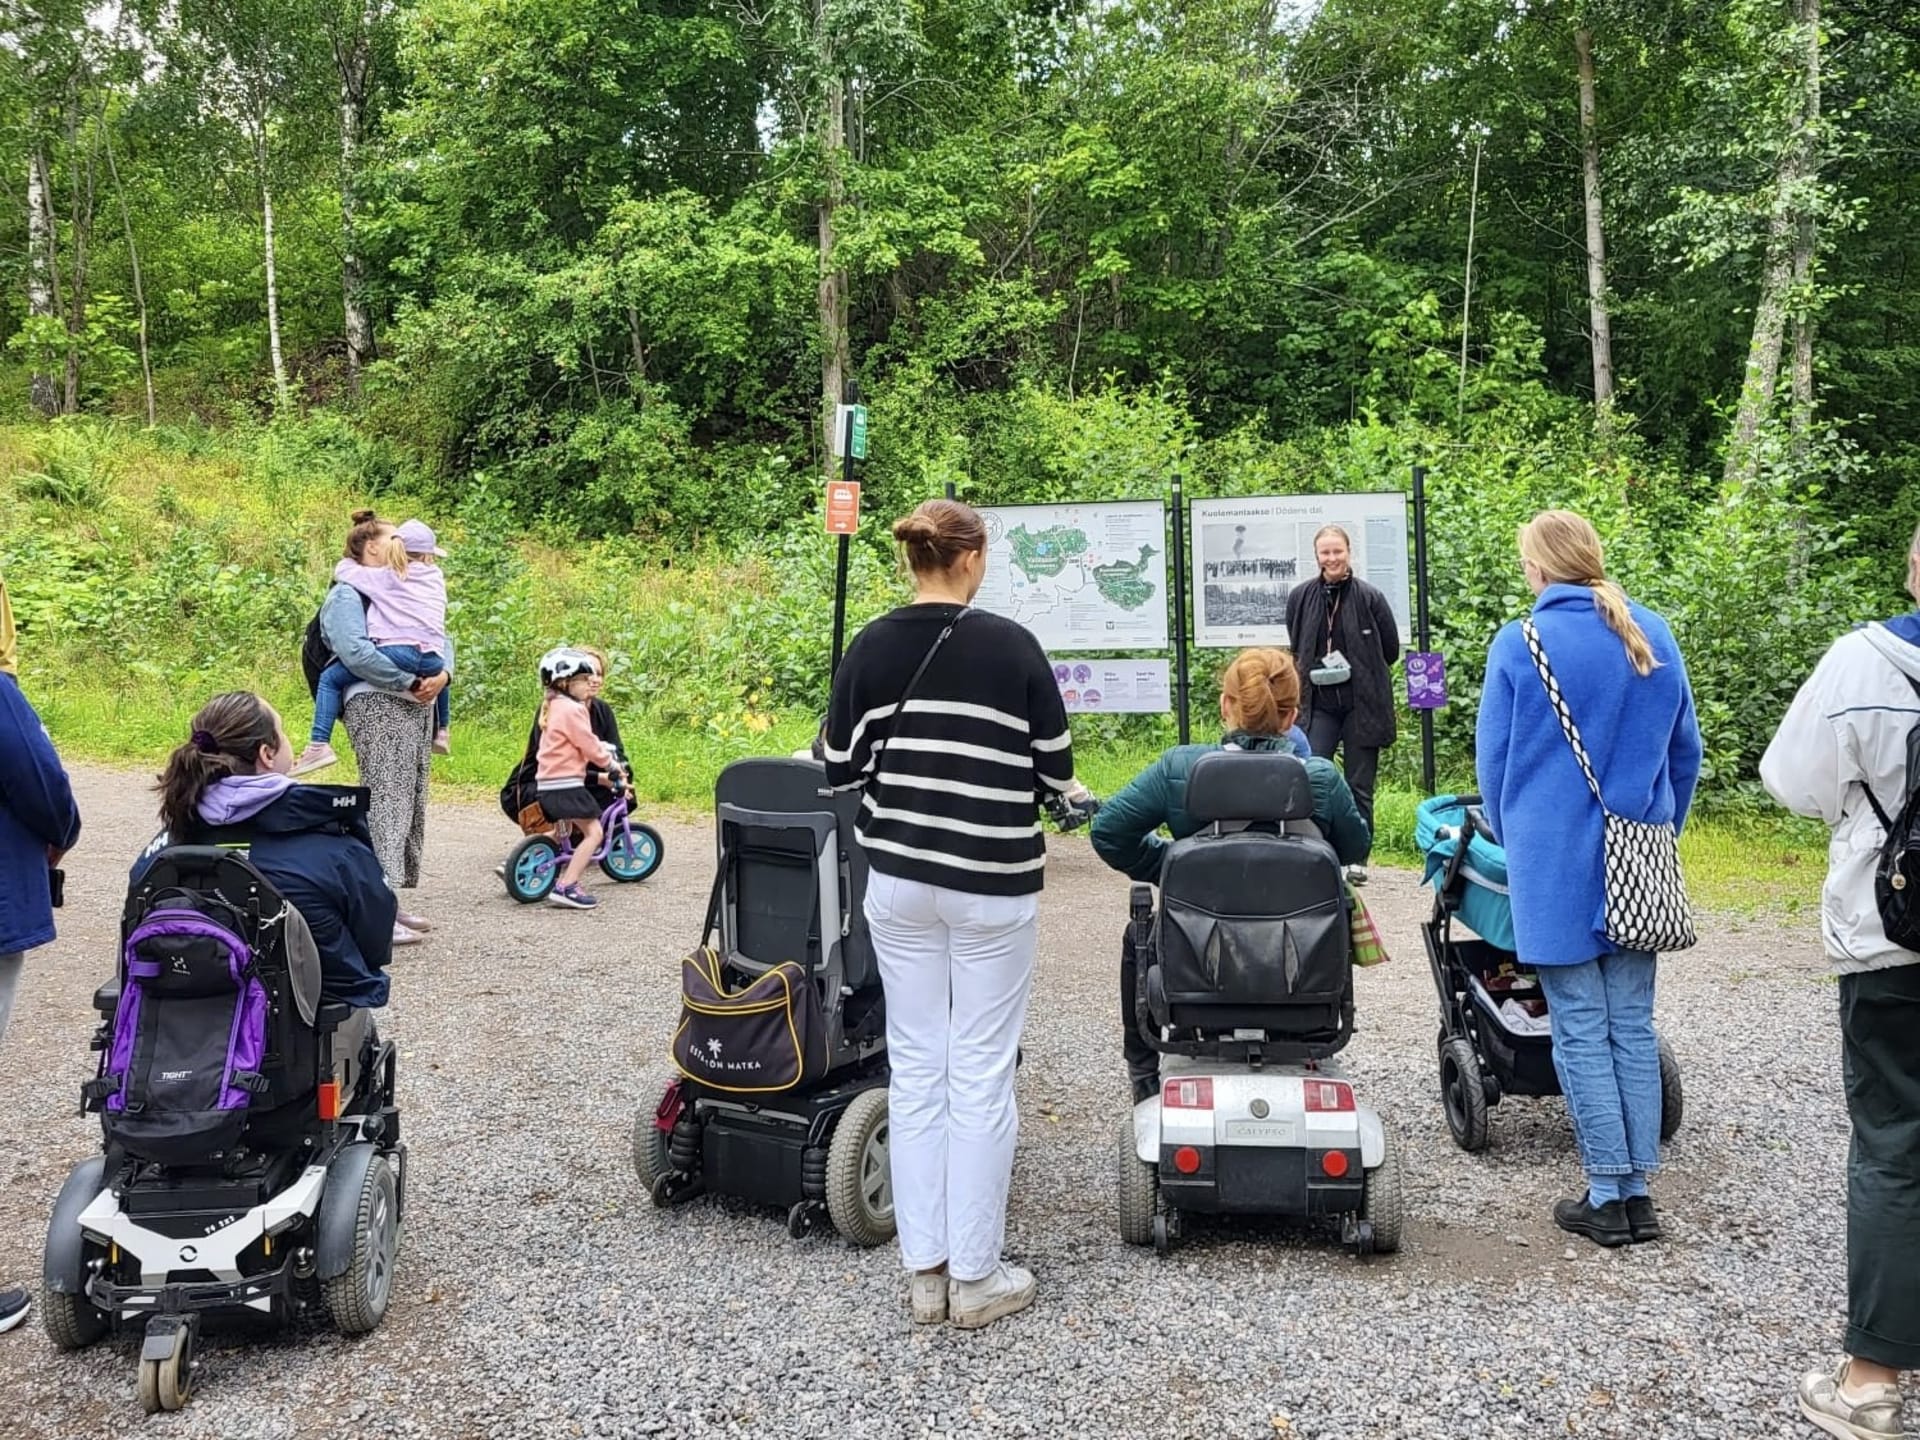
(1259, 703)
(251, 1156)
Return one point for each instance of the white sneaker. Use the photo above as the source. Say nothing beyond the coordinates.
(928, 1296)
(1356, 874)
(442, 743)
(1873, 1414)
(973, 1303)
(317, 756)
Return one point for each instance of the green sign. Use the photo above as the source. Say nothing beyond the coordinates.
(859, 427)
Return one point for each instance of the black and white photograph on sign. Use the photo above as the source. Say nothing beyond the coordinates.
(1249, 553)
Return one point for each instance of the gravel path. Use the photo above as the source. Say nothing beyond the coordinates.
(540, 1294)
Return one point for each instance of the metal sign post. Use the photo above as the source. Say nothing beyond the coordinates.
(847, 415)
(1425, 635)
(1180, 609)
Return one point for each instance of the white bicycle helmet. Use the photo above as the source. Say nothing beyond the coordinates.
(563, 663)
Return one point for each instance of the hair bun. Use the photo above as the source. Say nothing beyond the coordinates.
(910, 528)
(362, 517)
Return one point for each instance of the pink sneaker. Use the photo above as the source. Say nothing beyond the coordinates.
(317, 756)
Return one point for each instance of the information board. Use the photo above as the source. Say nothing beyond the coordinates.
(1249, 553)
(1080, 577)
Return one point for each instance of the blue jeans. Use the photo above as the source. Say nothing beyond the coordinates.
(1609, 1064)
(329, 695)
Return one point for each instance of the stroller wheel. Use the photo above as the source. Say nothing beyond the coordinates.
(1673, 1101)
(1464, 1095)
(532, 869)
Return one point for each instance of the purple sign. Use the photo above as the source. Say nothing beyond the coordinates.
(1426, 680)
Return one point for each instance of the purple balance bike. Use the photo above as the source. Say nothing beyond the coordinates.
(628, 851)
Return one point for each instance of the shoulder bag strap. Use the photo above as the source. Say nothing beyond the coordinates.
(1880, 814)
(1559, 704)
(913, 684)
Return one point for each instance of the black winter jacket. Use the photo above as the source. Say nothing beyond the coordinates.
(1368, 635)
(312, 845)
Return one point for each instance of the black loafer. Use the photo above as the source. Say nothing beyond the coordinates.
(1643, 1221)
(1606, 1225)
(1145, 1087)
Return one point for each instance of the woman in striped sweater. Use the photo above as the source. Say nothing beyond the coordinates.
(950, 720)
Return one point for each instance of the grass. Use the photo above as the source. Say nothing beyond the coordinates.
(152, 571)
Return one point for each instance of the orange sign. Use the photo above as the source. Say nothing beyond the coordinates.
(843, 507)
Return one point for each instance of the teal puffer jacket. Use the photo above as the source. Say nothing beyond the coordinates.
(1124, 830)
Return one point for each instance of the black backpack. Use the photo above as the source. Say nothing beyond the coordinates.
(1896, 879)
(314, 654)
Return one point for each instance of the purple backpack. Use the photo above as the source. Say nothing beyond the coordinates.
(186, 1056)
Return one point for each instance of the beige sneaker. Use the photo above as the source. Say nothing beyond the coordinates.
(442, 742)
(1874, 1413)
(973, 1303)
(929, 1298)
(317, 756)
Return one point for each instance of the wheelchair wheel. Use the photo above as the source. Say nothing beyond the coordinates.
(1384, 1206)
(1464, 1095)
(1673, 1100)
(1139, 1189)
(650, 1160)
(636, 852)
(532, 869)
(166, 1384)
(72, 1322)
(357, 1300)
(859, 1178)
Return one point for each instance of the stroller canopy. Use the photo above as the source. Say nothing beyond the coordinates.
(1484, 906)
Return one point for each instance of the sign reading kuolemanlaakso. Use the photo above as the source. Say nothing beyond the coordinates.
(1249, 553)
(1080, 577)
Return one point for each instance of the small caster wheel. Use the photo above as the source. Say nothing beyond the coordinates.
(1166, 1232)
(166, 1369)
(662, 1192)
(800, 1220)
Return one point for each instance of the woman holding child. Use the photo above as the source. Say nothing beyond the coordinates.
(388, 703)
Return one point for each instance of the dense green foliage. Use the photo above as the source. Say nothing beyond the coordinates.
(1084, 248)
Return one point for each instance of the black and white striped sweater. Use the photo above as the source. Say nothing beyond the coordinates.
(954, 800)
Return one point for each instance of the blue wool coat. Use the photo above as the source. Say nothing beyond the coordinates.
(36, 810)
(1640, 733)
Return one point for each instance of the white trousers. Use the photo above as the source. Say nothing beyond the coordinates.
(957, 969)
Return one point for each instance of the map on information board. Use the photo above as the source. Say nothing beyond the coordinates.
(1080, 577)
(1249, 553)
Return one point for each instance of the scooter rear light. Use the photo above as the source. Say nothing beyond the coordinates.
(330, 1100)
(1195, 1093)
(1328, 1096)
(1334, 1163)
(1186, 1160)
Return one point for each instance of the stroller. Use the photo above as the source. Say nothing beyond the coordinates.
(1246, 990)
(790, 885)
(252, 1158)
(1494, 1038)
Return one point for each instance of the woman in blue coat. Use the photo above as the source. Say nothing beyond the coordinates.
(1623, 682)
(38, 825)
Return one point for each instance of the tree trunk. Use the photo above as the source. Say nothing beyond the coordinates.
(1599, 319)
(835, 351)
(1790, 235)
(133, 261)
(41, 260)
(1806, 231)
(352, 53)
(281, 390)
(80, 224)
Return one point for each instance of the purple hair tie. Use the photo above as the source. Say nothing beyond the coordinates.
(204, 742)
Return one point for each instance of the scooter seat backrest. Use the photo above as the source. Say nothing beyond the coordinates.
(1249, 787)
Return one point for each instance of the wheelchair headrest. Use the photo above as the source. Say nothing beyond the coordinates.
(1233, 785)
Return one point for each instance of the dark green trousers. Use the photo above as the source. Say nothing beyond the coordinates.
(1880, 1025)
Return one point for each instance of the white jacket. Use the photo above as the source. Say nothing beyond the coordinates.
(1847, 728)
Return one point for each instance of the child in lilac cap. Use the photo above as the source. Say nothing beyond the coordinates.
(406, 601)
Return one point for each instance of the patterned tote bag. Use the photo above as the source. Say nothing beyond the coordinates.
(1647, 906)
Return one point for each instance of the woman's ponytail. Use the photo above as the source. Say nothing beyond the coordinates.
(1566, 549)
(228, 734)
(1611, 601)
